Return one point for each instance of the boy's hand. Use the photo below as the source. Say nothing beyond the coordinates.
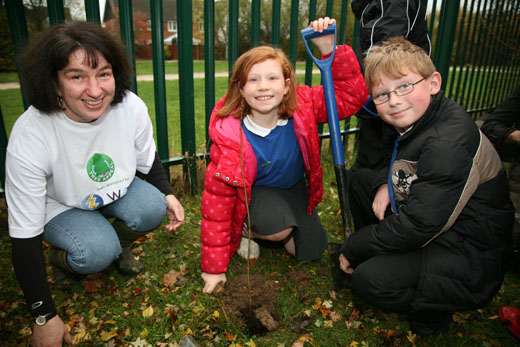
(381, 202)
(211, 281)
(344, 265)
(324, 43)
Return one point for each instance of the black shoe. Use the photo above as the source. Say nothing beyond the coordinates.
(341, 279)
(430, 323)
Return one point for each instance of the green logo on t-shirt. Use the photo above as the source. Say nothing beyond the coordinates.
(100, 167)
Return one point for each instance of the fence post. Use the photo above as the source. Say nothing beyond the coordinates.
(275, 24)
(126, 25)
(92, 11)
(209, 62)
(161, 121)
(233, 35)
(445, 36)
(255, 23)
(19, 35)
(186, 95)
(294, 32)
(56, 13)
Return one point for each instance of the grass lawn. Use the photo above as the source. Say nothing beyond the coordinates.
(110, 309)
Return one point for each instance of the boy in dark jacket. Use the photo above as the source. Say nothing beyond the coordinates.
(433, 229)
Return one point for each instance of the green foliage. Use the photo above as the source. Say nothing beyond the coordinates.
(167, 52)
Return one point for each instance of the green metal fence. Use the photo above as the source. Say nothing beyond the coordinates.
(475, 48)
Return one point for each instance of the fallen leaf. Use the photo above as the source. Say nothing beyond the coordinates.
(334, 316)
(411, 337)
(93, 284)
(324, 312)
(148, 312)
(251, 343)
(108, 335)
(80, 334)
(25, 331)
(229, 336)
(170, 278)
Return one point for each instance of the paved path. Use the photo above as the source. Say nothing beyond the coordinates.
(15, 85)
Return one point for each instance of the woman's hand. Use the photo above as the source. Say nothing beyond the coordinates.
(324, 43)
(175, 212)
(211, 281)
(344, 265)
(53, 333)
(381, 202)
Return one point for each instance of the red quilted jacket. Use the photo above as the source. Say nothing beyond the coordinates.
(227, 182)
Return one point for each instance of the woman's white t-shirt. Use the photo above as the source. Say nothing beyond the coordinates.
(54, 163)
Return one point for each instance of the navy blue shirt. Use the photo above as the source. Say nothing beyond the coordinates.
(280, 161)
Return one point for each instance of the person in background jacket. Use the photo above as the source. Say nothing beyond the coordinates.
(265, 168)
(502, 127)
(380, 20)
(435, 233)
(71, 164)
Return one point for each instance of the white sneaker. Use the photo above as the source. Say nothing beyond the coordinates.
(254, 251)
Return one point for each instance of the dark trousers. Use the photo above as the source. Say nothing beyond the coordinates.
(386, 281)
(361, 195)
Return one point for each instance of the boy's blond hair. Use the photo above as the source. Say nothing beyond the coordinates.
(392, 57)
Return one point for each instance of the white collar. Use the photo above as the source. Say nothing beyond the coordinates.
(259, 130)
(407, 130)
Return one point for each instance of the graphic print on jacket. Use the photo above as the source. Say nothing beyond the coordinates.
(403, 174)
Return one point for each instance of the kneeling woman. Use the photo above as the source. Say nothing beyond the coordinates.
(72, 161)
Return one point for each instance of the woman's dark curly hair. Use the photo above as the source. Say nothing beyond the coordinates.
(49, 53)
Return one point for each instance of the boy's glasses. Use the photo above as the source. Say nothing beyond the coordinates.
(403, 89)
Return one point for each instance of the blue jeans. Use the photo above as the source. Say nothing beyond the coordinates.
(88, 237)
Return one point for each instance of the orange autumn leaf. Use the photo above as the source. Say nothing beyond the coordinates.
(92, 285)
(324, 311)
(170, 278)
(229, 336)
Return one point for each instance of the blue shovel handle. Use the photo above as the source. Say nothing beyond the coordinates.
(328, 91)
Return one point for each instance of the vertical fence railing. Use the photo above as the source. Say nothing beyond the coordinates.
(56, 12)
(445, 38)
(186, 94)
(275, 24)
(233, 34)
(469, 52)
(255, 23)
(92, 11)
(209, 62)
(126, 27)
(159, 80)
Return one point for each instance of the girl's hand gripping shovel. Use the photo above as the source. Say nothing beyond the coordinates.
(332, 114)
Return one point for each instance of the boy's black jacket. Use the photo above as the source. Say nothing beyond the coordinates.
(463, 267)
